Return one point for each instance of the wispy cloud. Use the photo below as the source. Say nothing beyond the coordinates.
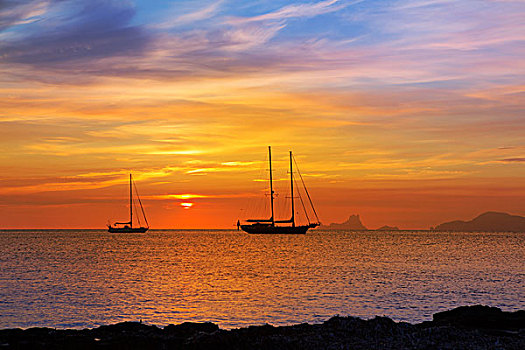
(296, 11)
(416, 42)
(81, 181)
(245, 37)
(199, 14)
(13, 14)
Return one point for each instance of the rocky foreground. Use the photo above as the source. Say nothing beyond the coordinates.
(467, 327)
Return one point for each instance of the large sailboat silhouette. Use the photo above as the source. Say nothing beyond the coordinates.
(270, 226)
(128, 226)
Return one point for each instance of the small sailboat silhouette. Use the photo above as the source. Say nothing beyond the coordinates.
(269, 226)
(127, 227)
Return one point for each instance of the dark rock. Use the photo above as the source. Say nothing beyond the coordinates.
(481, 317)
(187, 329)
(126, 328)
(470, 327)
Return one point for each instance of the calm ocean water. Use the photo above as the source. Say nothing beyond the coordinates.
(86, 278)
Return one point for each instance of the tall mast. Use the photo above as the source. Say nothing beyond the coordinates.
(130, 203)
(271, 183)
(291, 190)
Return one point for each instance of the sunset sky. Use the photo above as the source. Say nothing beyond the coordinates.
(409, 113)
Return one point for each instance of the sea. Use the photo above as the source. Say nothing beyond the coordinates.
(86, 278)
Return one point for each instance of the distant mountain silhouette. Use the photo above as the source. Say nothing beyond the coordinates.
(486, 222)
(353, 223)
(388, 228)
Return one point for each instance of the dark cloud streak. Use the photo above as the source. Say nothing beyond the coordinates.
(513, 160)
(96, 29)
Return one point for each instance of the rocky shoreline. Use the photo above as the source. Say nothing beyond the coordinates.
(466, 327)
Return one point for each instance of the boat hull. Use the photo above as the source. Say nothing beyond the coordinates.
(127, 229)
(272, 230)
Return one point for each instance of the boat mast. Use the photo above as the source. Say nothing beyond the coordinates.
(291, 190)
(271, 183)
(130, 203)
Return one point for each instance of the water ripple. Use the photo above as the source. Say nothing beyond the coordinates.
(86, 278)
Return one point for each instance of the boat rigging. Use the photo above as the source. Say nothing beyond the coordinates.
(269, 226)
(127, 227)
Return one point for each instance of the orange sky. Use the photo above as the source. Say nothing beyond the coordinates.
(407, 127)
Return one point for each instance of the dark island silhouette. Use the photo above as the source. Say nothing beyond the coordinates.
(487, 222)
(353, 223)
(388, 228)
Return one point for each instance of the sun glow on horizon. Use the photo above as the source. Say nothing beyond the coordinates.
(186, 205)
(180, 196)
